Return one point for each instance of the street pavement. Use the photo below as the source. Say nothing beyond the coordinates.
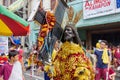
(34, 76)
(28, 75)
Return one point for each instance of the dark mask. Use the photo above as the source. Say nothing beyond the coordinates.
(68, 34)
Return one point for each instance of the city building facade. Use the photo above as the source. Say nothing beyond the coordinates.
(99, 21)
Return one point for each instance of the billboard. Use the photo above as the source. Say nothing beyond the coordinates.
(95, 8)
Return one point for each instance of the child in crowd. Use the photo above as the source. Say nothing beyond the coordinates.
(11, 70)
(3, 59)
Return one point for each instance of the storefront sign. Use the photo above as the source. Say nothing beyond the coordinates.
(3, 44)
(95, 8)
(85, 23)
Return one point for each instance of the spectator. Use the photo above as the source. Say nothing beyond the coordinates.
(3, 59)
(111, 74)
(117, 57)
(20, 56)
(12, 70)
(102, 63)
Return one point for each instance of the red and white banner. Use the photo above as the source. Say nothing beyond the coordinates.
(95, 8)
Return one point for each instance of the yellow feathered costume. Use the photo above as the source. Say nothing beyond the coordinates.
(70, 61)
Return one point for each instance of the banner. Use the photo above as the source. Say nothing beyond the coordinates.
(3, 45)
(95, 8)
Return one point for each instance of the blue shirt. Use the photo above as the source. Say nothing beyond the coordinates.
(16, 40)
(100, 63)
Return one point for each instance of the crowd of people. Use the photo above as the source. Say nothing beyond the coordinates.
(11, 65)
(97, 56)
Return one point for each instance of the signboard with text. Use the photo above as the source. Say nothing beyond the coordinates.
(3, 44)
(95, 8)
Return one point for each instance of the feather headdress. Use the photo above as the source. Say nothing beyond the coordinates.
(73, 17)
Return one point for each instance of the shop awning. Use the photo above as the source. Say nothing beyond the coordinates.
(13, 16)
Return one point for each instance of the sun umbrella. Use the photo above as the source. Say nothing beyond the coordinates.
(11, 24)
(9, 27)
